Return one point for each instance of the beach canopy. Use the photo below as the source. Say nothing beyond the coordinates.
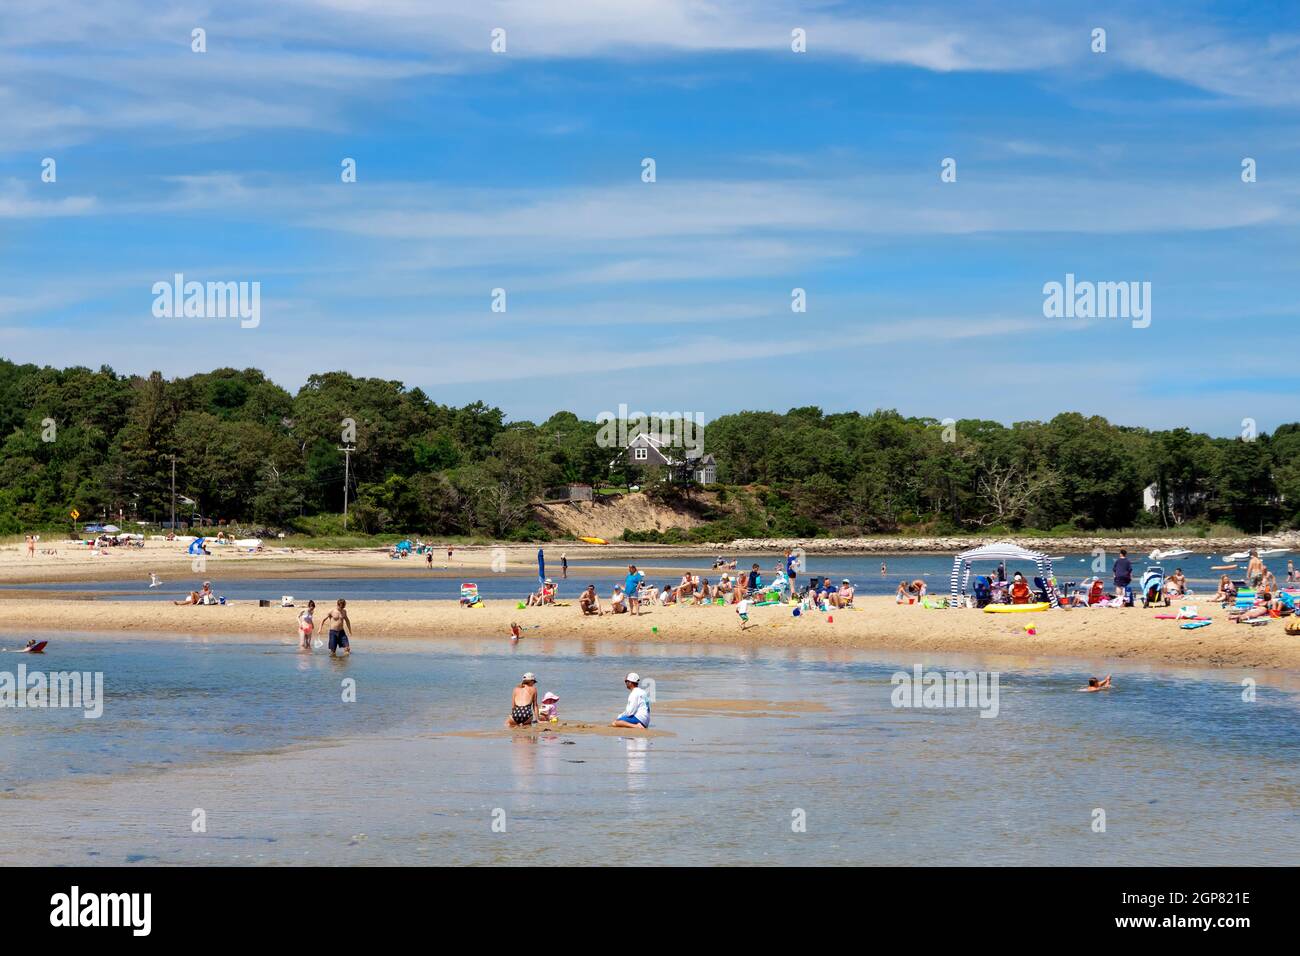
(1000, 552)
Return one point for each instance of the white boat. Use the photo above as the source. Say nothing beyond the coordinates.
(1158, 555)
(1263, 553)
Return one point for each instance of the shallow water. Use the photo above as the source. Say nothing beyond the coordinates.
(258, 737)
(409, 580)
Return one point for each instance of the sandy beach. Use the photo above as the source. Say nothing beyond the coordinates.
(875, 622)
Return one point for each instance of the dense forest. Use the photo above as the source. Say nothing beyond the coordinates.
(246, 450)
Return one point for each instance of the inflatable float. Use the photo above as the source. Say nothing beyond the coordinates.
(1016, 608)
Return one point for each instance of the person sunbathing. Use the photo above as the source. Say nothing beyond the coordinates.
(1096, 685)
(843, 598)
(543, 595)
(199, 597)
(1263, 605)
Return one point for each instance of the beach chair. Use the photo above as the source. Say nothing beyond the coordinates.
(1153, 586)
(469, 595)
(1245, 599)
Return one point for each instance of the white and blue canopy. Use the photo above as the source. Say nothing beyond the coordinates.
(1001, 551)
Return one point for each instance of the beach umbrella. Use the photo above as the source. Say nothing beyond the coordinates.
(541, 566)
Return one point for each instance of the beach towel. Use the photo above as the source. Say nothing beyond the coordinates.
(1192, 625)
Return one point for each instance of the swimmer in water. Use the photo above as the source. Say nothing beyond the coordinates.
(1096, 685)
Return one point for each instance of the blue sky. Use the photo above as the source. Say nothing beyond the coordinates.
(775, 170)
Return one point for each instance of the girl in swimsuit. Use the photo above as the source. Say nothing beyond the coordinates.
(305, 627)
(523, 702)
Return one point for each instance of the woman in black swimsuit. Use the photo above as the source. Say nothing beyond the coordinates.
(523, 702)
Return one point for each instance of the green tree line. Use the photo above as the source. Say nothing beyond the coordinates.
(248, 451)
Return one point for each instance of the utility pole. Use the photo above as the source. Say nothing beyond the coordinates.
(347, 468)
(173, 461)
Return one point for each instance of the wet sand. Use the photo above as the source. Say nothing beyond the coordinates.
(876, 623)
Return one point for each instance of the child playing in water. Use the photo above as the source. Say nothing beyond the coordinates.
(306, 626)
(1095, 685)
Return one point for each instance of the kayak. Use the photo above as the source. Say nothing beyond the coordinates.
(594, 540)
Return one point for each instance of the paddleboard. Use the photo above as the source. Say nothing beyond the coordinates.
(1016, 608)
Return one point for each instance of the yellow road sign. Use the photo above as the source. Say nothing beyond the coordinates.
(75, 514)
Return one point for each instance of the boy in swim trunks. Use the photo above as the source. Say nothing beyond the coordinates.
(340, 628)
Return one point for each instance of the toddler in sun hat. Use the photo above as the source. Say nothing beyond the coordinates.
(549, 708)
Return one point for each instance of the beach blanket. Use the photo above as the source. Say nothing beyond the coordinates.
(1192, 625)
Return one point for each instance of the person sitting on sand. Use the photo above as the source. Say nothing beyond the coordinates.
(637, 711)
(339, 626)
(549, 709)
(589, 601)
(199, 597)
(903, 594)
(1019, 589)
(704, 593)
(618, 601)
(545, 594)
(1176, 585)
(1096, 685)
(523, 702)
(306, 626)
(1227, 590)
(843, 598)
(667, 595)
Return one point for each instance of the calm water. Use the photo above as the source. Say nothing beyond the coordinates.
(258, 737)
(409, 579)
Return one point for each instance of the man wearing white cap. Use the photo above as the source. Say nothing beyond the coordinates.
(637, 712)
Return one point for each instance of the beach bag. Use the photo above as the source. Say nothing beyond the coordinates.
(1293, 628)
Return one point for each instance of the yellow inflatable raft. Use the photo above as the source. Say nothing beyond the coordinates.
(1015, 608)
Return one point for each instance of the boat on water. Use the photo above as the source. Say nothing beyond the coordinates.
(1263, 553)
(1159, 555)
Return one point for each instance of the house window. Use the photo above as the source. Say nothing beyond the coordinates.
(640, 454)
